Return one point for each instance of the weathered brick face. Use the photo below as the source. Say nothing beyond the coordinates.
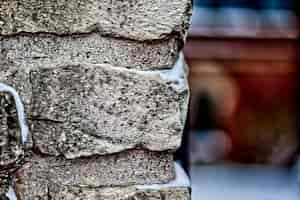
(105, 94)
(134, 19)
(98, 109)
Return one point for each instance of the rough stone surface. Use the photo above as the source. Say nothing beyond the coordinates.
(86, 110)
(103, 112)
(4, 184)
(144, 101)
(11, 152)
(57, 192)
(18, 79)
(177, 189)
(134, 19)
(127, 193)
(40, 174)
(26, 51)
(10, 142)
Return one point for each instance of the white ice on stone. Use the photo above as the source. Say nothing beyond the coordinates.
(20, 110)
(11, 195)
(177, 74)
(181, 180)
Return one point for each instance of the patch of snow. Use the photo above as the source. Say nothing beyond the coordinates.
(181, 180)
(177, 74)
(11, 195)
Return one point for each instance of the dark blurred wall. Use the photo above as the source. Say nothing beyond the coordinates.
(250, 75)
(296, 6)
(255, 4)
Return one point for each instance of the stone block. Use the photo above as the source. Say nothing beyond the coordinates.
(133, 19)
(127, 193)
(86, 110)
(26, 51)
(122, 169)
(177, 189)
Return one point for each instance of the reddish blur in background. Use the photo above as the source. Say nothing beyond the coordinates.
(243, 77)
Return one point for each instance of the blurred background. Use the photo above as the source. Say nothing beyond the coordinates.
(243, 132)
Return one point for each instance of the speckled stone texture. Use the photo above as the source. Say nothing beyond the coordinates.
(37, 177)
(104, 98)
(11, 152)
(10, 142)
(4, 184)
(86, 110)
(126, 193)
(122, 108)
(133, 19)
(44, 188)
(57, 192)
(28, 51)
